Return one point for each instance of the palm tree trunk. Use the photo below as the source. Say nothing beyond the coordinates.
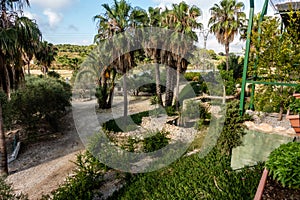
(168, 99)
(125, 95)
(177, 85)
(3, 153)
(227, 55)
(157, 79)
(28, 68)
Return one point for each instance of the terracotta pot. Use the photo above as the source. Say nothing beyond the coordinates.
(261, 186)
(295, 122)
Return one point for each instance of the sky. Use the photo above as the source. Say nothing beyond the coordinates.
(71, 21)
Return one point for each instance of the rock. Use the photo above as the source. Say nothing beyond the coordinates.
(280, 130)
(291, 131)
(265, 127)
(250, 125)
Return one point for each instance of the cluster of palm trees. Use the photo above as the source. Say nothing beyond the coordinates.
(20, 40)
(171, 50)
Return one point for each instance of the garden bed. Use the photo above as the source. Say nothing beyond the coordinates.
(275, 191)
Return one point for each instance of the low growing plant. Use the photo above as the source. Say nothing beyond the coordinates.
(88, 177)
(156, 142)
(284, 164)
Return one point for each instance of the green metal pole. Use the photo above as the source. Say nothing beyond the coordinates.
(250, 23)
(263, 13)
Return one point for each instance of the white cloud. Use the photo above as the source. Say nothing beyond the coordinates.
(54, 18)
(53, 4)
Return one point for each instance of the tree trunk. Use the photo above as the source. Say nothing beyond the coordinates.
(168, 98)
(125, 95)
(227, 55)
(28, 68)
(157, 79)
(177, 85)
(3, 153)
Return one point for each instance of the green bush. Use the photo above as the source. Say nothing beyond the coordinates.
(53, 74)
(88, 177)
(122, 124)
(41, 99)
(192, 76)
(233, 129)
(284, 164)
(7, 192)
(156, 142)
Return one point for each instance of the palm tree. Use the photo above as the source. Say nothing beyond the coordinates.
(119, 18)
(225, 22)
(15, 33)
(183, 20)
(46, 55)
(154, 20)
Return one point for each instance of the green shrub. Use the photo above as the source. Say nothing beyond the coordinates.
(156, 142)
(88, 177)
(41, 99)
(7, 192)
(284, 164)
(122, 124)
(171, 111)
(192, 76)
(297, 89)
(233, 130)
(295, 106)
(53, 74)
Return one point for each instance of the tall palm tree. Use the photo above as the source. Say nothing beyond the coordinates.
(183, 20)
(119, 18)
(225, 22)
(15, 32)
(46, 55)
(153, 40)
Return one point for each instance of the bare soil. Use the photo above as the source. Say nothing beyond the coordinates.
(275, 191)
(43, 165)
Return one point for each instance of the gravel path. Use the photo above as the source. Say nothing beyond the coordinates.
(42, 166)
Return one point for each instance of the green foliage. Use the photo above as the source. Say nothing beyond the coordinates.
(122, 124)
(192, 76)
(233, 129)
(297, 89)
(194, 178)
(7, 192)
(195, 110)
(156, 142)
(88, 177)
(284, 164)
(171, 111)
(269, 98)
(230, 81)
(41, 99)
(101, 95)
(191, 90)
(295, 106)
(53, 74)
(6, 110)
(236, 64)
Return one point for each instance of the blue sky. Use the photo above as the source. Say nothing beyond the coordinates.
(71, 21)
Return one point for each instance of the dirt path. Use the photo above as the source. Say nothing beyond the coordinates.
(43, 178)
(42, 166)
